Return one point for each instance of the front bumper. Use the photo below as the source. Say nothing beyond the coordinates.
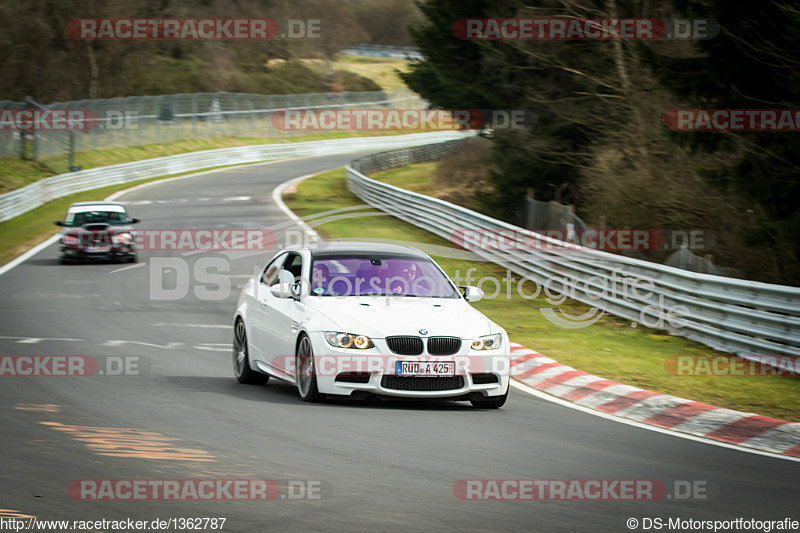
(478, 374)
(115, 252)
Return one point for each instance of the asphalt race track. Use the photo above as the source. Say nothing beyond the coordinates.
(386, 466)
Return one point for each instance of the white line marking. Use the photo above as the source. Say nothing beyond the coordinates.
(212, 349)
(174, 324)
(30, 253)
(237, 199)
(129, 267)
(276, 197)
(544, 396)
(117, 194)
(115, 343)
(37, 340)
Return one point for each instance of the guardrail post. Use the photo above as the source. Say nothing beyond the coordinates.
(251, 115)
(72, 143)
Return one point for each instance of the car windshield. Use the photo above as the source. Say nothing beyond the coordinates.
(96, 217)
(362, 275)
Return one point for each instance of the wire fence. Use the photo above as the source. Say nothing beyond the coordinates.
(141, 120)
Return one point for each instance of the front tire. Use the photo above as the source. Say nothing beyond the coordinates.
(241, 359)
(306, 371)
(491, 402)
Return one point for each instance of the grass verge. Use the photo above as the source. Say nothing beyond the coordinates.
(416, 178)
(381, 70)
(610, 348)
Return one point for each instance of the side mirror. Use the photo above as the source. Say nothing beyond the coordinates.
(282, 290)
(59, 223)
(286, 290)
(133, 220)
(284, 276)
(472, 293)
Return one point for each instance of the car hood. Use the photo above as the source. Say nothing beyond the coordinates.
(381, 316)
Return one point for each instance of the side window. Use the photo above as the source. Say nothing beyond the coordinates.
(294, 264)
(270, 275)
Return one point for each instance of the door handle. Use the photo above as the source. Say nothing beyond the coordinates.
(295, 325)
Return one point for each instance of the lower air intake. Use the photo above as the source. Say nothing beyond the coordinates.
(422, 384)
(484, 378)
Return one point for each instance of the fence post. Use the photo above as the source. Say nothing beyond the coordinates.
(252, 115)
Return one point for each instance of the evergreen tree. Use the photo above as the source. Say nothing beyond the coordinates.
(754, 63)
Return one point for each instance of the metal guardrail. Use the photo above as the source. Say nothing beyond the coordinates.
(17, 202)
(748, 318)
(379, 50)
(138, 120)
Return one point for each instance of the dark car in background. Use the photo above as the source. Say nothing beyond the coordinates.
(97, 230)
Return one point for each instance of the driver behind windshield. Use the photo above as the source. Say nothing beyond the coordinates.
(98, 217)
(406, 271)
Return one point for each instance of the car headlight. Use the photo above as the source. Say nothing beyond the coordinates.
(348, 340)
(121, 238)
(70, 240)
(488, 342)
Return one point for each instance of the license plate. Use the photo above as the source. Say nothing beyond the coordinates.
(99, 248)
(425, 368)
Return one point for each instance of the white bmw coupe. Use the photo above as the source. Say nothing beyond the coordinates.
(362, 319)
